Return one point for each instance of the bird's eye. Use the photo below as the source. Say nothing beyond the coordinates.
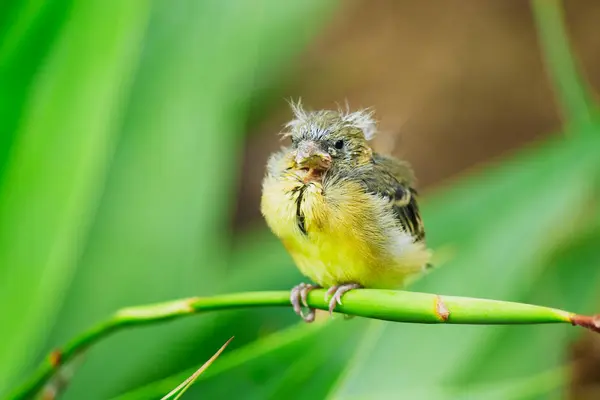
(339, 144)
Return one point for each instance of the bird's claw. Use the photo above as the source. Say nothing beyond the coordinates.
(294, 299)
(337, 292)
(299, 298)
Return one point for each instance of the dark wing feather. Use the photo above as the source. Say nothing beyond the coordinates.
(392, 179)
(407, 211)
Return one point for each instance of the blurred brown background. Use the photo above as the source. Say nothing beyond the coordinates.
(452, 86)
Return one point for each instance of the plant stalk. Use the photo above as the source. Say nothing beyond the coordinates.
(388, 305)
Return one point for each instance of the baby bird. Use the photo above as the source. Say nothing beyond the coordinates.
(347, 215)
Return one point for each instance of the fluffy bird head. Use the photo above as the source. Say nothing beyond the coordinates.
(326, 139)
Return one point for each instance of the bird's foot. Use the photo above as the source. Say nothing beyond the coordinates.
(337, 292)
(298, 298)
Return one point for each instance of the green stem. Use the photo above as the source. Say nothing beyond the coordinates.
(399, 306)
(575, 100)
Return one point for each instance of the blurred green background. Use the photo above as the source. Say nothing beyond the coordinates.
(133, 137)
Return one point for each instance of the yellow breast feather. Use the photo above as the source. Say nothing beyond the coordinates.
(339, 234)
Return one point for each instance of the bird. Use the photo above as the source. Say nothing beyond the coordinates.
(347, 215)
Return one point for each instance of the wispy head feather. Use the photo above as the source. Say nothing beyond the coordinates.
(362, 119)
(300, 116)
(297, 109)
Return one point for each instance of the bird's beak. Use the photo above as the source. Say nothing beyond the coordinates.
(309, 155)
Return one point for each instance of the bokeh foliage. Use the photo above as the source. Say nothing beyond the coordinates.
(120, 137)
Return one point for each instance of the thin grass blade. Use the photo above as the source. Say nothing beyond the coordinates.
(185, 385)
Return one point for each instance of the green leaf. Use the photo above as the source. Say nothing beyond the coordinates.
(571, 279)
(52, 186)
(28, 31)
